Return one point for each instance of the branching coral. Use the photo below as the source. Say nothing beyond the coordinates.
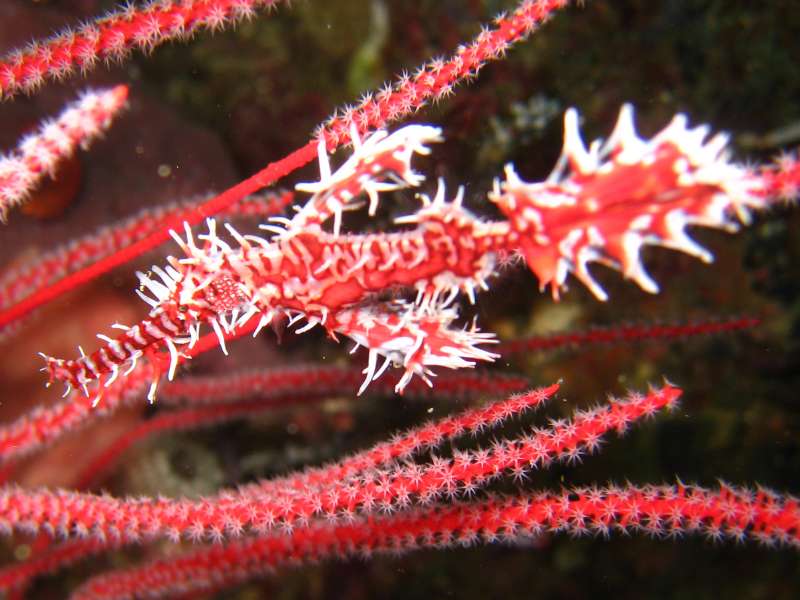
(397, 283)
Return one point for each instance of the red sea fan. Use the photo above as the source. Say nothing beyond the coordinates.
(409, 271)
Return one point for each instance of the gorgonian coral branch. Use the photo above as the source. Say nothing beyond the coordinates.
(196, 402)
(265, 388)
(625, 333)
(115, 35)
(263, 508)
(437, 78)
(40, 152)
(14, 578)
(401, 447)
(395, 294)
(320, 380)
(658, 511)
